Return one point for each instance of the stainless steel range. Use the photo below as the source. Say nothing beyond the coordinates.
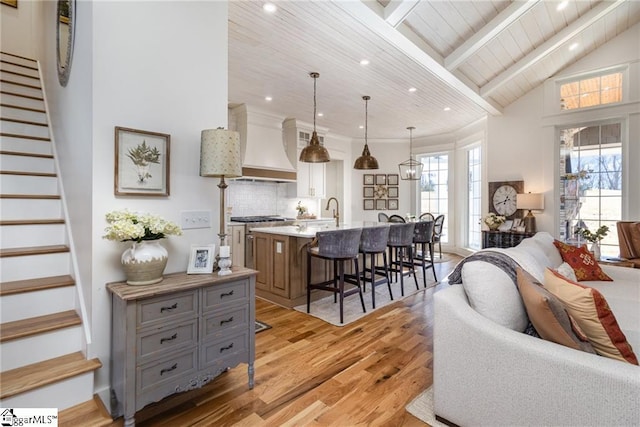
(257, 221)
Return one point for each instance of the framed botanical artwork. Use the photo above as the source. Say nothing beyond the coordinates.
(381, 204)
(368, 204)
(392, 192)
(392, 179)
(381, 179)
(367, 179)
(367, 192)
(392, 204)
(201, 259)
(141, 163)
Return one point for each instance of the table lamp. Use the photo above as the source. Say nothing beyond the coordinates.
(530, 201)
(220, 158)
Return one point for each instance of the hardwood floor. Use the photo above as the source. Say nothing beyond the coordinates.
(308, 372)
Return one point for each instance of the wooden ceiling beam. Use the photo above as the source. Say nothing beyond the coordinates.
(397, 11)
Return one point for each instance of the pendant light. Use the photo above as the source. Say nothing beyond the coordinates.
(410, 170)
(366, 161)
(314, 152)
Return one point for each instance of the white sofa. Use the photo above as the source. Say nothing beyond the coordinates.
(488, 374)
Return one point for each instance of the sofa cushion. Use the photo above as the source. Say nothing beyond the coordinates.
(592, 313)
(567, 271)
(549, 316)
(492, 293)
(582, 261)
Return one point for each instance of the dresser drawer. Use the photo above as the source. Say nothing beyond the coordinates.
(167, 372)
(166, 339)
(222, 295)
(218, 323)
(213, 353)
(167, 308)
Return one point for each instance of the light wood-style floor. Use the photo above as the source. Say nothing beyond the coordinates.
(308, 372)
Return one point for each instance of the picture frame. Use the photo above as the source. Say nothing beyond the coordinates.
(368, 204)
(367, 192)
(142, 161)
(12, 3)
(201, 259)
(392, 204)
(392, 192)
(381, 204)
(506, 226)
(516, 223)
(381, 179)
(392, 179)
(367, 179)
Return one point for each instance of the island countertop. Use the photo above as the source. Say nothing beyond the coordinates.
(310, 230)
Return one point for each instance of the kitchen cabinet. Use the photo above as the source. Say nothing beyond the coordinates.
(178, 335)
(271, 261)
(311, 177)
(237, 243)
(311, 180)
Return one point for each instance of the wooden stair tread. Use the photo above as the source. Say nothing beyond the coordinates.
(4, 61)
(29, 285)
(21, 95)
(24, 122)
(91, 413)
(29, 196)
(20, 84)
(33, 250)
(15, 135)
(15, 73)
(50, 371)
(23, 173)
(25, 154)
(32, 221)
(18, 107)
(37, 325)
(18, 56)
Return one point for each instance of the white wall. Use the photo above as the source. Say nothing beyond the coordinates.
(17, 29)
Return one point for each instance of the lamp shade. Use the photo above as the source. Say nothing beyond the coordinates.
(530, 201)
(220, 153)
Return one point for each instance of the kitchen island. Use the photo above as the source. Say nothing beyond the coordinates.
(281, 261)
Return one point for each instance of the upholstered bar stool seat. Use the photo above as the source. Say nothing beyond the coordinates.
(338, 247)
(423, 248)
(400, 245)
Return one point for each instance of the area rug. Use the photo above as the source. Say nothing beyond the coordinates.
(329, 311)
(422, 407)
(261, 326)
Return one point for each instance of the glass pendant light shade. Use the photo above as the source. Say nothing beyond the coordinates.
(314, 152)
(410, 170)
(366, 160)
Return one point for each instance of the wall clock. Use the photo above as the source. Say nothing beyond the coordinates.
(502, 198)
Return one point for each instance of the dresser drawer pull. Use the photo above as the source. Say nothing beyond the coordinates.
(229, 347)
(172, 307)
(229, 320)
(174, 367)
(171, 338)
(226, 294)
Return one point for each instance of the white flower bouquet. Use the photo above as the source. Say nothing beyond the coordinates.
(128, 226)
(494, 220)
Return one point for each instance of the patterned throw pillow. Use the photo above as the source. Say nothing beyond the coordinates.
(591, 312)
(582, 261)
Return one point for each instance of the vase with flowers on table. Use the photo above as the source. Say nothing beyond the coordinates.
(494, 221)
(594, 238)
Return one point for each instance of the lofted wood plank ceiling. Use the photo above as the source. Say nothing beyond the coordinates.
(473, 57)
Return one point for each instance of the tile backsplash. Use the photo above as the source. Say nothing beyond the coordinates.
(248, 198)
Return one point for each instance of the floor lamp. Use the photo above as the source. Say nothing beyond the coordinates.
(220, 158)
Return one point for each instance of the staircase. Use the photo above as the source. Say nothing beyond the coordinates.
(42, 339)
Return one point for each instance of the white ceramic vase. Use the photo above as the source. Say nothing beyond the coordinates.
(595, 250)
(144, 262)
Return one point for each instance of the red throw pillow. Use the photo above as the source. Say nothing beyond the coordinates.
(582, 261)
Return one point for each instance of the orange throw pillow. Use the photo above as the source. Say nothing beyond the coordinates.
(591, 312)
(582, 261)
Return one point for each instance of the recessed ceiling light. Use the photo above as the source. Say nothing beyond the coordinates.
(268, 98)
(320, 114)
(412, 89)
(574, 46)
(269, 7)
(562, 5)
(447, 108)
(364, 62)
(361, 127)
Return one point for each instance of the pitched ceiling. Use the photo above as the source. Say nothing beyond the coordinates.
(474, 57)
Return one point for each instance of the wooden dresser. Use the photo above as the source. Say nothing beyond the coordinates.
(178, 335)
(503, 239)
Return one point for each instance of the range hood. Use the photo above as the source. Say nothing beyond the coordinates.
(264, 155)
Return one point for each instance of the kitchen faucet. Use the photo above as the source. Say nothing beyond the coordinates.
(336, 211)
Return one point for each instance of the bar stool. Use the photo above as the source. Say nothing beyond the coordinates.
(374, 242)
(396, 218)
(339, 246)
(423, 241)
(400, 244)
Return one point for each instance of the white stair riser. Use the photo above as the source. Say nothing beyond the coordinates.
(61, 395)
(30, 209)
(25, 351)
(21, 101)
(25, 145)
(13, 88)
(18, 69)
(12, 236)
(19, 79)
(39, 303)
(17, 113)
(18, 60)
(25, 129)
(34, 266)
(26, 184)
(10, 162)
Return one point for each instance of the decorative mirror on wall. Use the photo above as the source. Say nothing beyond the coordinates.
(65, 29)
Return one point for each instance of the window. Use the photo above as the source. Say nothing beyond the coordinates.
(434, 187)
(474, 162)
(591, 181)
(598, 90)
